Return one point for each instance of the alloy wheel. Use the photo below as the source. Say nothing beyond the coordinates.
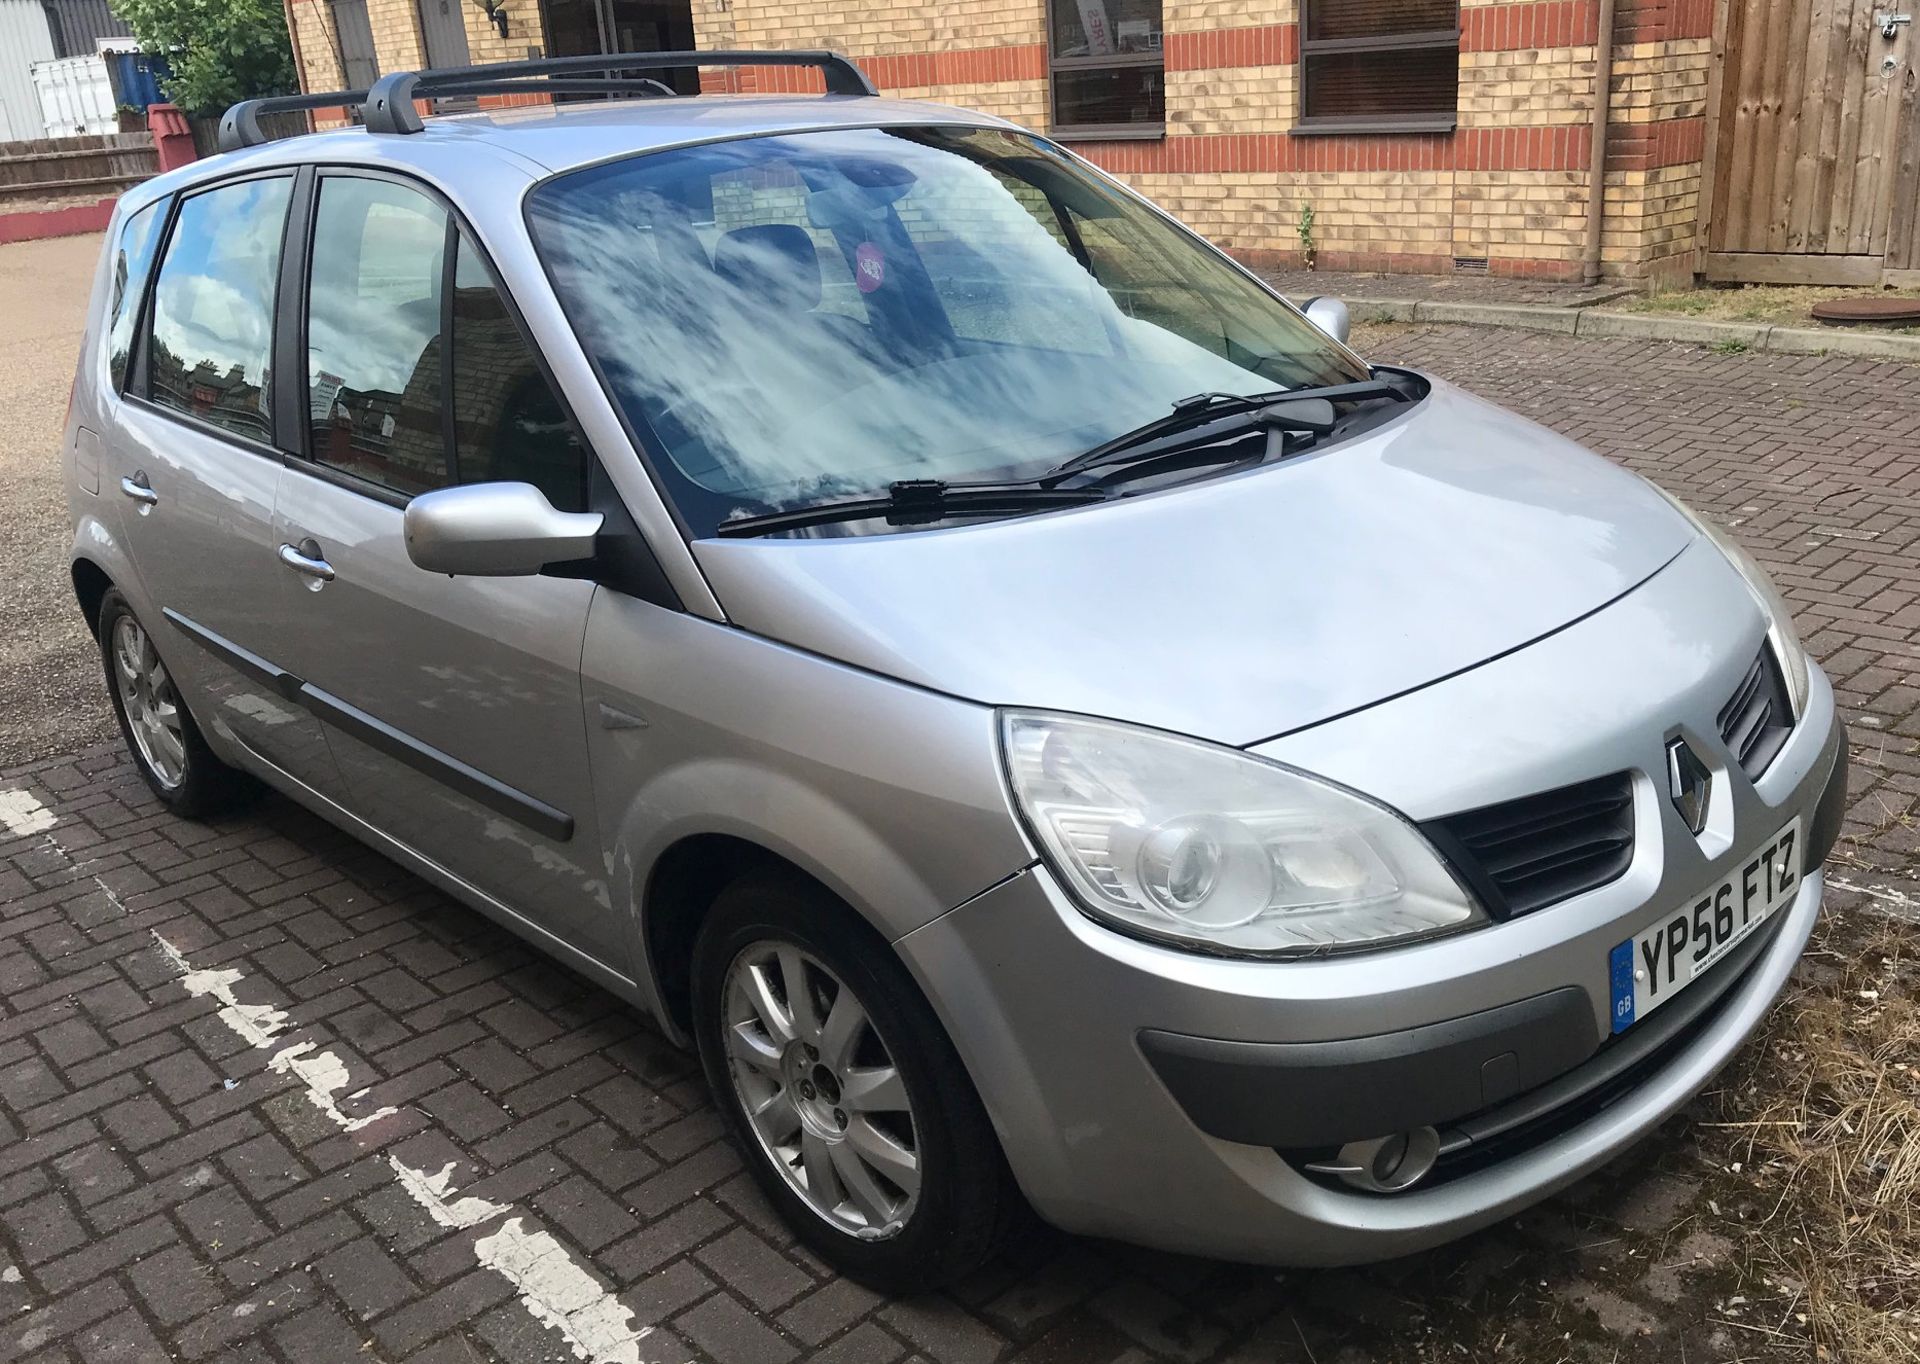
(152, 705)
(820, 1089)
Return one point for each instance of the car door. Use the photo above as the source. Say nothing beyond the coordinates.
(191, 465)
(454, 703)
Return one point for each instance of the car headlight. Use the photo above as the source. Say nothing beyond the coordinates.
(1780, 631)
(1210, 848)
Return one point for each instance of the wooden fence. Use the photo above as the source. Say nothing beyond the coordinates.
(206, 129)
(100, 166)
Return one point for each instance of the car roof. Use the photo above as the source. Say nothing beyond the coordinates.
(545, 138)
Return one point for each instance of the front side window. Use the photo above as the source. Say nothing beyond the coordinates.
(212, 340)
(893, 304)
(508, 426)
(1371, 66)
(1109, 77)
(374, 363)
(132, 261)
(417, 380)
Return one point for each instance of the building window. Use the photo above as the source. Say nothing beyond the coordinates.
(1367, 66)
(1108, 76)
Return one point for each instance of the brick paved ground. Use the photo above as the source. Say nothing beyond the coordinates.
(165, 1192)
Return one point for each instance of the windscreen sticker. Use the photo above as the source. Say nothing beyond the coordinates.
(869, 267)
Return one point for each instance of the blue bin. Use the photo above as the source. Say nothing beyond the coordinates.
(136, 78)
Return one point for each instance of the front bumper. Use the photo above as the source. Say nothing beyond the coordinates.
(1494, 1034)
(1042, 1016)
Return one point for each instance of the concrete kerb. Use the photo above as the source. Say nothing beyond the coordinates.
(1597, 323)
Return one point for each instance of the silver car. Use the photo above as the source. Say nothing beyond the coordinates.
(1049, 723)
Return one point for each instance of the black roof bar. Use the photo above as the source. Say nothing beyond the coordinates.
(240, 125)
(388, 107)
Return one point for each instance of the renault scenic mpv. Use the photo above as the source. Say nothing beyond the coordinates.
(1052, 725)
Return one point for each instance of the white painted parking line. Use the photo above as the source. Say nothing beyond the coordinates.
(556, 1288)
(23, 814)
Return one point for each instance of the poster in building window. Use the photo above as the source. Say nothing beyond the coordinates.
(1093, 19)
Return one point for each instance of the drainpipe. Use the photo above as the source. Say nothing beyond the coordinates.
(1597, 157)
(292, 41)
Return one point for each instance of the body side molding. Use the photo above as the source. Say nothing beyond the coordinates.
(469, 781)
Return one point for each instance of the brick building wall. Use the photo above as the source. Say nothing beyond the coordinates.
(1505, 192)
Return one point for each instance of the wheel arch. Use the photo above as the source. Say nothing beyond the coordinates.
(680, 891)
(91, 583)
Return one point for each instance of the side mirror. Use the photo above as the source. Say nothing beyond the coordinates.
(495, 530)
(1330, 316)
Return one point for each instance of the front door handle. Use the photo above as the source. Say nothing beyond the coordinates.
(139, 489)
(305, 558)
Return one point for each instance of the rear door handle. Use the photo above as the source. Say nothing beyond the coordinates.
(139, 489)
(305, 558)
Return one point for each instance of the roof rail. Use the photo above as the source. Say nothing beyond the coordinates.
(388, 107)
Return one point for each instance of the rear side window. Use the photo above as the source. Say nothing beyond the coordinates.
(508, 425)
(132, 263)
(374, 312)
(212, 342)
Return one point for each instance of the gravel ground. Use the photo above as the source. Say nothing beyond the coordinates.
(50, 685)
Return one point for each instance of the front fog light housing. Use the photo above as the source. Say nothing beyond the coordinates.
(1204, 846)
(1780, 632)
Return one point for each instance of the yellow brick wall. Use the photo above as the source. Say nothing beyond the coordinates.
(882, 26)
(1025, 102)
(1503, 216)
(1661, 80)
(1405, 211)
(314, 39)
(1524, 215)
(484, 43)
(1537, 87)
(1239, 99)
(396, 34)
(1198, 16)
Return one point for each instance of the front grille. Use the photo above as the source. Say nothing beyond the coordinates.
(1525, 854)
(1758, 716)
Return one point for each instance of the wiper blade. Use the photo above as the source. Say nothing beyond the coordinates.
(917, 501)
(1306, 410)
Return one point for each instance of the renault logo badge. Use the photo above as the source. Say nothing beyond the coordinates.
(1689, 783)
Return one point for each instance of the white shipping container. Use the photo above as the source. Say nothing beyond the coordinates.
(76, 96)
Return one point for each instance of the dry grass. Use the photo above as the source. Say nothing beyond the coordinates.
(1787, 304)
(1822, 1129)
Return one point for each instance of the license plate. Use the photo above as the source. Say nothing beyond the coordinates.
(1659, 962)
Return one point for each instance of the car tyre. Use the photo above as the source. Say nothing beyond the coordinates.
(826, 1103)
(160, 733)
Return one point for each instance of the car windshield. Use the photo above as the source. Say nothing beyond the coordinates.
(788, 320)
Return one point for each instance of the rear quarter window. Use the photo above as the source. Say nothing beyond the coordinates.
(132, 263)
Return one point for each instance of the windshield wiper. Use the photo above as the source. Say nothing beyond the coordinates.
(1308, 411)
(917, 502)
(1195, 422)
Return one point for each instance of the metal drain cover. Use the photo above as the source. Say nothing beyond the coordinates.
(1854, 312)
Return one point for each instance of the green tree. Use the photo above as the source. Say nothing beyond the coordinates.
(220, 50)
